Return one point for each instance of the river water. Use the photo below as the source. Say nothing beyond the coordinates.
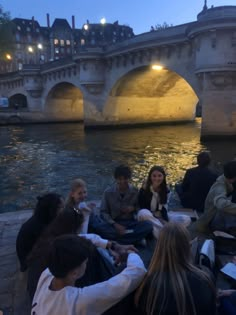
(35, 159)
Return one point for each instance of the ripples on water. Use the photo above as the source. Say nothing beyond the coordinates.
(39, 158)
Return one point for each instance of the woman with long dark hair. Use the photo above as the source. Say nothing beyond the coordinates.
(47, 208)
(153, 201)
(173, 285)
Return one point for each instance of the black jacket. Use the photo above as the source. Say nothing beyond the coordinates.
(144, 201)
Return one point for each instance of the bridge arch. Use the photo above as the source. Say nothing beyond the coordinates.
(64, 101)
(145, 95)
(18, 101)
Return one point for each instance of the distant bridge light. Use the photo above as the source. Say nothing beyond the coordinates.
(103, 21)
(157, 67)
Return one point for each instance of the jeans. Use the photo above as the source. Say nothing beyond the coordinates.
(107, 230)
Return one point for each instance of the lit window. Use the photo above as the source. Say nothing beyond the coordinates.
(62, 42)
(18, 27)
(114, 33)
(82, 42)
(56, 41)
(114, 40)
(67, 42)
(56, 50)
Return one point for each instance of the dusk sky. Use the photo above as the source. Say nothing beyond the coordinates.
(139, 14)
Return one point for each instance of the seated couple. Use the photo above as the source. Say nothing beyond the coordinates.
(128, 216)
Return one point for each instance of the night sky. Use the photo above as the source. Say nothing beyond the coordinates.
(139, 14)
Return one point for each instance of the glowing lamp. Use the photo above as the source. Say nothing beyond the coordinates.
(157, 67)
(103, 21)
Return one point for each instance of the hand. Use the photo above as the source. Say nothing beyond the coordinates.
(120, 229)
(92, 205)
(121, 248)
(128, 209)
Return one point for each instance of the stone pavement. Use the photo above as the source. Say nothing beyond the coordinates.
(13, 298)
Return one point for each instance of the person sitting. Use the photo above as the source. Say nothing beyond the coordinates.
(197, 183)
(173, 285)
(70, 221)
(118, 209)
(76, 199)
(220, 211)
(47, 208)
(152, 200)
(68, 258)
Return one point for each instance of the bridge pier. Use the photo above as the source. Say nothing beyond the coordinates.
(219, 105)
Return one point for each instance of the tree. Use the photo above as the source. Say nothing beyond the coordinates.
(163, 26)
(6, 43)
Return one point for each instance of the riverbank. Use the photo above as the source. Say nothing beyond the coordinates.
(13, 297)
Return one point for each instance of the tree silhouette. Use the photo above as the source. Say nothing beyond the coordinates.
(6, 43)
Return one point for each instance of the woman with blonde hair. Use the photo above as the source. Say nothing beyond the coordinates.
(76, 199)
(173, 285)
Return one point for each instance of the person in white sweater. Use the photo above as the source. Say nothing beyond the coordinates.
(56, 294)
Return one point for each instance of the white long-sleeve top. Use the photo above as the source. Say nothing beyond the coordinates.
(91, 300)
(95, 239)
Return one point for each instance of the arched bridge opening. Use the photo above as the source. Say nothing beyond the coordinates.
(18, 101)
(65, 102)
(151, 94)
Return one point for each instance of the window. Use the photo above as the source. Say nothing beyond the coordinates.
(17, 37)
(67, 42)
(62, 50)
(92, 41)
(68, 50)
(18, 27)
(82, 42)
(18, 46)
(28, 29)
(56, 50)
(56, 41)
(37, 30)
(62, 42)
(29, 38)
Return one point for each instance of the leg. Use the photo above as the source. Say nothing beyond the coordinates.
(102, 228)
(146, 215)
(140, 231)
(179, 218)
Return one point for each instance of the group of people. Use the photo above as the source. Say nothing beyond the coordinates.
(80, 261)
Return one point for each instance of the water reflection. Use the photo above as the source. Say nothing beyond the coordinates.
(36, 159)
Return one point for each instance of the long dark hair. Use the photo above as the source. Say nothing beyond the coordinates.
(163, 187)
(47, 207)
(170, 264)
(68, 221)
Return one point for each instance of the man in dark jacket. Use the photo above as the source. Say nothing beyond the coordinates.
(197, 183)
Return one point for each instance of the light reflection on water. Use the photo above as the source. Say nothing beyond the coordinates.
(41, 158)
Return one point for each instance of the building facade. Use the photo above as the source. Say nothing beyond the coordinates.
(35, 44)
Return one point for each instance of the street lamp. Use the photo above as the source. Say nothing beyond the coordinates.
(9, 57)
(30, 49)
(40, 46)
(103, 21)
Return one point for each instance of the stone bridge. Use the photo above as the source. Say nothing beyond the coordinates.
(154, 77)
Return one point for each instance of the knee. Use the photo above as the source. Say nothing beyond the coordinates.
(144, 214)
